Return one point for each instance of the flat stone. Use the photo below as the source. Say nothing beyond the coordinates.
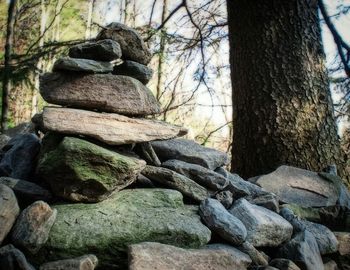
(256, 256)
(26, 192)
(9, 210)
(173, 180)
(191, 152)
(264, 227)
(19, 156)
(197, 173)
(220, 221)
(104, 92)
(33, 225)
(79, 170)
(344, 242)
(284, 264)
(299, 186)
(127, 217)
(82, 65)
(150, 256)
(240, 187)
(113, 129)
(86, 262)
(303, 250)
(133, 69)
(101, 50)
(12, 258)
(132, 45)
(269, 201)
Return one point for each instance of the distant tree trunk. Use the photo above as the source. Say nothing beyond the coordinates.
(7, 62)
(282, 107)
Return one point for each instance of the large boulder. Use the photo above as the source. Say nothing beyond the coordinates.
(127, 217)
(19, 156)
(220, 221)
(191, 152)
(264, 227)
(82, 65)
(135, 70)
(104, 92)
(197, 173)
(173, 180)
(151, 256)
(101, 50)
(113, 129)
(79, 170)
(33, 226)
(9, 210)
(299, 186)
(132, 45)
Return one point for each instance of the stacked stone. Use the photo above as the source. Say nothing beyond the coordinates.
(103, 101)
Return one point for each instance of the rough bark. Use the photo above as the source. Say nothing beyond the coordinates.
(282, 108)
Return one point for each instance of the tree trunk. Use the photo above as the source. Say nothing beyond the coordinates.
(6, 82)
(282, 107)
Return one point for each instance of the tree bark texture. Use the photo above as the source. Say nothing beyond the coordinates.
(282, 107)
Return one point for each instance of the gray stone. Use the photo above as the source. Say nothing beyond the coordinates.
(150, 256)
(101, 50)
(82, 65)
(220, 221)
(146, 152)
(330, 265)
(225, 198)
(104, 92)
(191, 152)
(132, 45)
(20, 156)
(26, 192)
(33, 225)
(173, 180)
(197, 173)
(4, 139)
(240, 187)
(23, 128)
(284, 264)
(268, 201)
(79, 170)
(9, 210)
(240, 257)
(109, 128)
(135, 70)
(257, 257)
(86, 262)
(303, 250)
(222, 171)
(344, 242)
(264, 227)
(128, 217)
(302, 187)
(13, 259)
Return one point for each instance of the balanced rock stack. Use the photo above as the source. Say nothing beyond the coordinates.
(108, 188)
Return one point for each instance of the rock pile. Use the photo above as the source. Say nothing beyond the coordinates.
(108, 187)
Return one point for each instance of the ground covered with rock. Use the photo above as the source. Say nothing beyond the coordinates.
(96, 183)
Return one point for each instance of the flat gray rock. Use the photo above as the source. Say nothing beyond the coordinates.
(220, 221)
(101, 50)
(299, 186)
(82, 65)
(264, 227)
(151, 256)
(173, 180)
(9, 210)
(191, 152)
(135, 70)
(132, 45)
(197, 173)
(86, 262)
(240, 187)
(269, 201)
(12, 258)
(33, 225)
(112, 129)
(26, 192)
(104, 92)
(303, 250)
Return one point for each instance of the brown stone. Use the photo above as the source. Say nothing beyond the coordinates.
(9, 210)
(104, 92)
(32, 228)
(86, 262)
(151, 256)
(113, 129)
(344, 242)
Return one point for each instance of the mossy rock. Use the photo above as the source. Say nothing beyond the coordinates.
(79, 170)
(127, 217)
